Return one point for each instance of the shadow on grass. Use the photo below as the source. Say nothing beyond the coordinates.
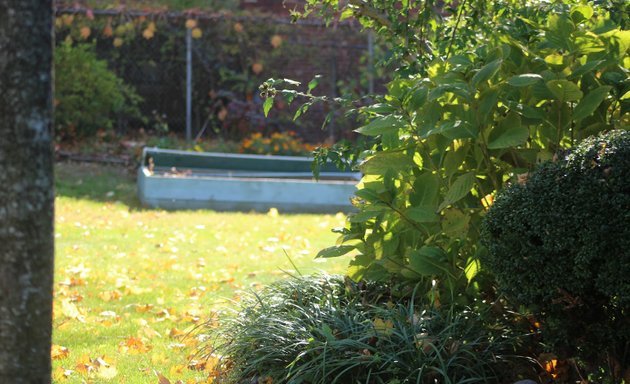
(97, 182)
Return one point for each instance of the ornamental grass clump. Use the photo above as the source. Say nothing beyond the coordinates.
(560, 244)
(327, 329)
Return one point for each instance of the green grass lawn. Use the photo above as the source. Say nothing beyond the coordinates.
(130, 283)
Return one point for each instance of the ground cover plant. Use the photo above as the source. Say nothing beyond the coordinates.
(328, 329)
(131, 283)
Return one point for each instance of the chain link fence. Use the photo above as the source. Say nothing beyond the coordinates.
(227, 57)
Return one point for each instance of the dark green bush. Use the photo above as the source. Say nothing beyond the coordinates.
(560, 244)
(327, 329)
(88, 96)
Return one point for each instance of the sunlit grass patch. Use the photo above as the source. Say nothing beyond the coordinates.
(131, 283)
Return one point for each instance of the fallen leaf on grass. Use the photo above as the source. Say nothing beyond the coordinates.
(70, 310)
(176, 333)
(58, 352)
(72, 282)
(98, 366)
(108, 372)
(80, 270)
(110, 295)
(75, 297)
(163, 380)
(61, 374)
(144, 308)
(150, 332)
(133, 345)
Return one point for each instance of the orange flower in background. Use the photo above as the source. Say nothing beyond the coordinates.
(487, 201)
(85, 32)
(276, 41)
(257, 68)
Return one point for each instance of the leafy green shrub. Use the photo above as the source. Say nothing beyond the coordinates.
(560, 243)
(321, 329)
(463, 117)
(88, 96)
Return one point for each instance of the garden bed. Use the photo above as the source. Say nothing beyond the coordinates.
(173, 179)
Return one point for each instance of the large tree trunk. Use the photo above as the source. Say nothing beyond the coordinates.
(26, 191)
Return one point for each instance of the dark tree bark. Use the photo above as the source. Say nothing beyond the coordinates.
(26, 191)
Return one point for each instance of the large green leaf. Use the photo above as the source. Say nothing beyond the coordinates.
(472, 268)
(564, 90)
(417, 98)
(509, 133)
(422, 214)
(382, 162)
(524, 80)
(425, 190)
(267, 105)
(365, 215)
(585, 68)
(380, 108)
(581, 13)
(554, 59)
(454, 159)
(335, 251)
(454, 129)
(486, 72)
(590, 102)
(458, 88)
(462, 130)
(487, 103)
(560, 30)
(455, 223)
(367, 194)
(460, 188)
(381, 125)
(428, 261)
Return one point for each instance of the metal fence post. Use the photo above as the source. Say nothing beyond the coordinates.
(370, 37)
(188, 86)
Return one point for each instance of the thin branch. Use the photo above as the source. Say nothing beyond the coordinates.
(367, 11)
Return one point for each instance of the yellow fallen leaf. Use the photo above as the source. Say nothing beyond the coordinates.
(58, 352)
(383, 326)
(110, 295)
(70, 310)
(175, 333)
(176, 370)
(133, 345)
(150, 332)
(108, 372)
(61, 374)
(161, 378)
(144, 308)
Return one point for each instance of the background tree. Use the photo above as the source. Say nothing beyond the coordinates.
(26, 190)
